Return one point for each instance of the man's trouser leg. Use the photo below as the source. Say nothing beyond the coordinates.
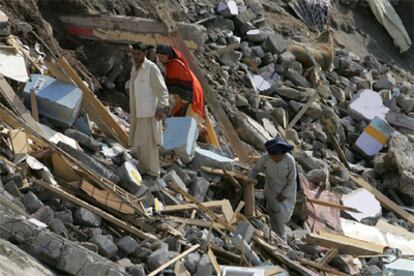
(149, 159)
(277, 226)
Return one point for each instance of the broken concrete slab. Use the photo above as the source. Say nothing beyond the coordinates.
(56, 100)
(180, 135)
(275, 43)
(172, 176)
(400, 154)
(13, 64)
(366, 105)
(374, 137)
(363, 201)
(199, 188)
(255, 35)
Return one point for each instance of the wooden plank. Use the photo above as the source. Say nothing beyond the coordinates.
(384, 226)
(33, 105)
(196, 222)
(12, 40)
(173, 260)
(273, 271)
(332, 205)
(128, 29)
(383, 199)
(249, 200)
(303, 110)
(220, 172)
(224, 206)
(214, 262)
(322, 268)
(18, 139)
(106, 198)
(332, 253)
(99, 114)
(344, 244)
(106, 216)
(63, 169)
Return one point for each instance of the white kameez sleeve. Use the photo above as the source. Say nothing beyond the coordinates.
(290, 188)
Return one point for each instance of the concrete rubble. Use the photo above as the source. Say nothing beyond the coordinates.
(350, 117)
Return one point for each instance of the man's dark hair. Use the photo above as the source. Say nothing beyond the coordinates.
(139, 46)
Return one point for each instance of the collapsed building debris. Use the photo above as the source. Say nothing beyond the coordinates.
(73, 197)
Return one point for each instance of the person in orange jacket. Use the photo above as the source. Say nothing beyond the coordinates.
(188, 94)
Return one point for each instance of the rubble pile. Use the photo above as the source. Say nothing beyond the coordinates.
(72, 195)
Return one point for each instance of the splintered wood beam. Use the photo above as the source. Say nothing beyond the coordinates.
(332, 205)
(56, 190)
(128, 29)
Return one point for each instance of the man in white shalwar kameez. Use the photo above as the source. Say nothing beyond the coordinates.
(279, 168)
(148, 98)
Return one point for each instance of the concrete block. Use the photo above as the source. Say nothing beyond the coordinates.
(231, 59)
(374, 137)
(181, 135)
(211, 159)
(44, 214)
(173, 177)
(3, 168)
(406, 103)
(400, 120)
(297, 79)
(31, 202)
(366, 105)
(12, 189)
(56, 100)
(191, 261)
(105, 245)
(136, 270)
(286, 59)
(347, 67)
(199, 188)
(85, 217)
(16, 178)
(228, 8)
(245, 230)
(127, 244)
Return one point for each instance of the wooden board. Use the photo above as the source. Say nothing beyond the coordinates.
(62, 169)
(106, 216)
(332, 205)
(384, 200)
(106, 198)
(384, 226)
(19, 142)
(344, 244)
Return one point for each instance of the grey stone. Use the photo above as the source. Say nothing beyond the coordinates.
(348, 68)
(85, 217)
(191, 261)
(275, 43)
(180, 172)
(106, 246)
(83, 140)
(90, 246)
(220, 23)
(199, 188)
(231, 59)
(72, 260)
(380, 163)
(291, 134)
(406, 102)
(314, 111)
(16, 178)
(57, 226)
(157, 258)
(316, 176)
(286, 59)
(205, 267)
(125, 262)
(293, 94)
(65, 216)
(127, 244)
(245, 230)
(257, 51)
(267, 59)
(31, 202)
(385, 82)
(309, 162)
(297, 79)
(295, 255)
(255, 35)
(338, 93)
(361, 83)
(142, 253)
(44, 214)
(400, 154)
(12, 189)
(172, 176)
(136, 270)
